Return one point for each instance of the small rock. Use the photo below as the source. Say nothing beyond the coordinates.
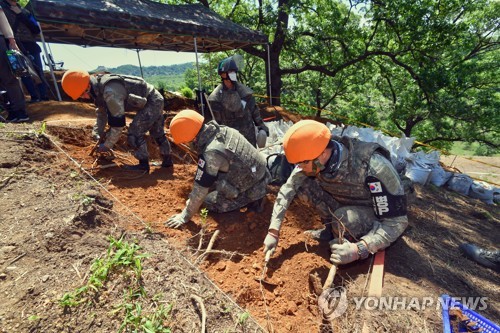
(45, 278)
(49, 235)
(246, 271)
(221, 267)
(291, 308)
(3, 276)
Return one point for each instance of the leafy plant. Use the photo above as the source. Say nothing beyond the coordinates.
(42, 129)
(119, 255)
(136, 320)
(243, 317)
(187, 92)
(203, 215)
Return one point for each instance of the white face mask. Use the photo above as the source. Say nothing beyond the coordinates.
(232, 76)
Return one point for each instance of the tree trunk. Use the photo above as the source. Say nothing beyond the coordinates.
(274, 82)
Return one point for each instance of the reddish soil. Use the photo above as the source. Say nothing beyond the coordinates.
(424, 262)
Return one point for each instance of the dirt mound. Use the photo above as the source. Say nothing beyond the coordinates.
(423, 263)
(55, 222)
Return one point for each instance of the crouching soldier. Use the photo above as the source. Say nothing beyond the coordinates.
(346, 180)
(113, 94)
(231, 173)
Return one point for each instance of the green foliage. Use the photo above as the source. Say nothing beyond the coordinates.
(162, 77)
(137, 320)
(187, 92)
(243, 317)
(119, 255)
(428, 70)
(42, 129)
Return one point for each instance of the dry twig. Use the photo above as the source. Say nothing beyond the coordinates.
(209, 247)
(202, 309)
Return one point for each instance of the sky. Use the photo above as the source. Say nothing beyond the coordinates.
(89, 58)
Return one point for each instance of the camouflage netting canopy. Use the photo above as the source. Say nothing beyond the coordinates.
(140, 24)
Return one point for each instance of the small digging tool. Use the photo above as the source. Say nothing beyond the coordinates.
(262, 278)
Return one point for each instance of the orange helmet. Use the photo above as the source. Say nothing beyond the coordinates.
(75, 82)
(305, 140)
(185, 126)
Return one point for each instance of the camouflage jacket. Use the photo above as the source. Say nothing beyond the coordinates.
(230, 160)
(236, 108)
(348, 188)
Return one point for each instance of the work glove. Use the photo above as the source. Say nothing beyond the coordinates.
(177, 220)
(102, 148)
(343, 253)
(270, 243)
(264, 128)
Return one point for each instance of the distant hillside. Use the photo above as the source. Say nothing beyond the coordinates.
(170, 77)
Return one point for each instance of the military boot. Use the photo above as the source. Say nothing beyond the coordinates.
(490, 259)
(324, 234)
(142, 166)
(167, 162)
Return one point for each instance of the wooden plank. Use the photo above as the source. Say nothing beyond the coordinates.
(377, 278)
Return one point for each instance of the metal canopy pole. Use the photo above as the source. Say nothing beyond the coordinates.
(199, 79)
(269, 75)
(140, 65)
(50, 64)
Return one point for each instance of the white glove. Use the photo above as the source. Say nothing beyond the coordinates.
(343, 253)
(270, 242)
(177, 220)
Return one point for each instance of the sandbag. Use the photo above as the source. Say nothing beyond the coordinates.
(460, 183)
(417, 172)
(482, 191)
(439, 176)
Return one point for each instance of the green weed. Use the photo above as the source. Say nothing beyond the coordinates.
(136, 320)
(120, 254)
(42, 129)
(203, 215)
(242, 318)
(83, 199)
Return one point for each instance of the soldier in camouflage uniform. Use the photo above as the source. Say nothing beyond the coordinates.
(233, 103)
(231, 173)
(114, 94)
(353, 180)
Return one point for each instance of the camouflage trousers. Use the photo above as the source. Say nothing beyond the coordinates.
(218, 202)
(356, 220)
(150, 118)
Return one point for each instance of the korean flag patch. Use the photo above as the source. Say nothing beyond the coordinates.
(201, 162)
(375, 187)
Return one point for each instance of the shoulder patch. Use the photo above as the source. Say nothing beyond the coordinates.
(202, 177)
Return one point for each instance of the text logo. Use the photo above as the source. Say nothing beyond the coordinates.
(332, 302)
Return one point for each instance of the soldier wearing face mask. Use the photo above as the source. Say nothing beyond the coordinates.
(233, 104)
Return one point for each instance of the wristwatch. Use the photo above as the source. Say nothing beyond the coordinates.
(363, 252)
